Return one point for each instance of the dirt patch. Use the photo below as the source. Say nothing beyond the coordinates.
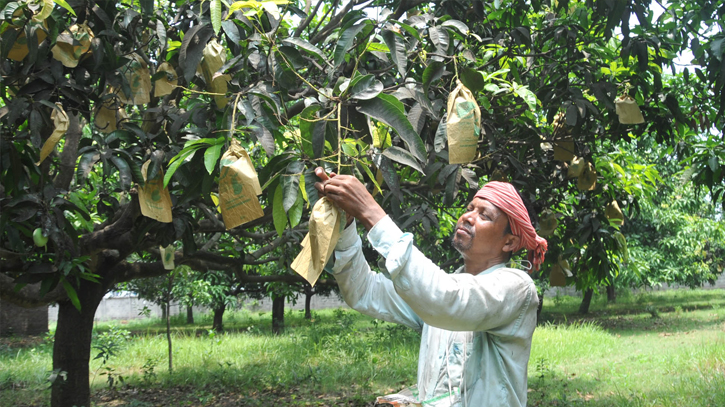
(190, 396)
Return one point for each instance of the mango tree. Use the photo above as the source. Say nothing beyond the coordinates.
(117, 117)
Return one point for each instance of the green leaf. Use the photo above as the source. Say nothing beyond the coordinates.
(391, 177)
(211, 156)
(441, 138)
(398, 51)
(472, 79)
(439, 38)
(65, 5)
(528, 96)
(179, 159)
(365, 87)
(192, 48)
(458, 25)
(215, 7)
(305, 46)
(124, 171)
(278, 213)
(403, 157)
(72, 294)
(310, 179)
(432, 72)
(345, 42)
(312, 131)
(389, 110)
(411, 30)
(295, 212)
(85, 165)
(291, 184)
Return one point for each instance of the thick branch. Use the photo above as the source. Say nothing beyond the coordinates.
(207, 226)
(125, 271)
(308, 20)
(334, 22)
(108, 237)
(406, 5)
(28, 296)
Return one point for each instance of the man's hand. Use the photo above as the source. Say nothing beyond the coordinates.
(351, 196)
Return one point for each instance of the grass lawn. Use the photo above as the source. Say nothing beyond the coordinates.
(649, 349)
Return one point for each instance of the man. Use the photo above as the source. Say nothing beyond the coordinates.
(477, 323)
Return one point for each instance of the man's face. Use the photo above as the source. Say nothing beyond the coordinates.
(480, 230)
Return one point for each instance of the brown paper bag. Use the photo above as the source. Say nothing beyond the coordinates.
(319, 243)
(463, 125)
(614, 214)
(107, 116)
(20, 50)
(238, 187)
(587, 179)
(139, 80)
(167, 256)
(575, 167)
(628, 111)
(154, 199)
(215, 56)
(60, 121)
(166, 84)
(557, 278)
(72, 44)
(547, 223)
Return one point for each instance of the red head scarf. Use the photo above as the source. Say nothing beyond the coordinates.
(505, 197)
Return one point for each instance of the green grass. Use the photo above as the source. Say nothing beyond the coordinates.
(620, 355)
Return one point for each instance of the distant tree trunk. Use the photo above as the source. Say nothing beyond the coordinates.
(189, 314)
(163, 312)
(539, 308)
(308, 301)
(218, 324)
(168, 321)
(72, 347)
(611, 294)
(168, 335)
(586, 301)
(278, 315)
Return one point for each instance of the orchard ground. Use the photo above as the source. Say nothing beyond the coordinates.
(649, 349)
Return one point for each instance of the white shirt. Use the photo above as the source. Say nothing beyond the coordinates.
(476, 330)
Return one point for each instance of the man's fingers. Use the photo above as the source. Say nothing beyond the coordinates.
(320, 172)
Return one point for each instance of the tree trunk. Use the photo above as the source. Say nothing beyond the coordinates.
(539, 308)
(218, 324)
(168, 336)
(278, 315)
(163, 312)
(611, 294)
(189, 314)
(72, 348)
(586, 301)
(308, 301)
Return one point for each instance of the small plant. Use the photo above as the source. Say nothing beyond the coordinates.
(558, 299)
(108, 344)
(145, 312)
(149, 370)
(678, 310)
(653, 311)
(112, 377)
(542, 368)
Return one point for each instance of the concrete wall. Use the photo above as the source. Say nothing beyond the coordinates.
(19, 321)
(113, 308)
(119, 308)
(571, 291)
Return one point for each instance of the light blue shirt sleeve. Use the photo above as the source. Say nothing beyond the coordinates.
(364, 290)
(488, 301)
